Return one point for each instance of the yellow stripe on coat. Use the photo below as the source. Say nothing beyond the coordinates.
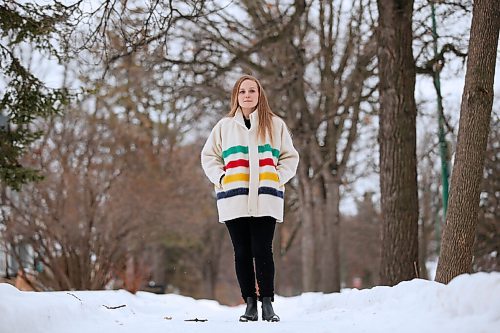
(269, 176)
(237, 177)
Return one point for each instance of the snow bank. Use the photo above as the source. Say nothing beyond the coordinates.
(469, 303)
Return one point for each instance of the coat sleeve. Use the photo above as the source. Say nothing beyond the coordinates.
(211, 156)
(288, 159)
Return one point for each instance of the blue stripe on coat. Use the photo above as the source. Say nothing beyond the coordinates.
(232, 193)
(244, 191)
(271, 191)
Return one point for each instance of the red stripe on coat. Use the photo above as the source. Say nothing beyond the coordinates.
(237, 163)
(245, 163)
(266, 161)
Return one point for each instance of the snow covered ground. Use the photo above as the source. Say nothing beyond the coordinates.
(470, 303)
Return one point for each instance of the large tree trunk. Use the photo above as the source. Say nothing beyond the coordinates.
(475, 115)
(397, 138)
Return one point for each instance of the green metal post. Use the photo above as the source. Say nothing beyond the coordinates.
(443, 148)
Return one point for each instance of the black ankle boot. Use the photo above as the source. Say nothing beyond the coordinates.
(268, 311)
(251, 310)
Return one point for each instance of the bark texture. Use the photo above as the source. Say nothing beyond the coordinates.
(475, 115)
(397, 139)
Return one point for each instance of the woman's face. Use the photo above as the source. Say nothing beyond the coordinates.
(248, 94)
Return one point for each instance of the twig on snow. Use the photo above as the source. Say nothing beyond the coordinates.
(196, 319)
(75, 296)
(114, 307)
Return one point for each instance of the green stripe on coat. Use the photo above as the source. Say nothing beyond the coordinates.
(234, 150)
(244, 150)
(267, 147)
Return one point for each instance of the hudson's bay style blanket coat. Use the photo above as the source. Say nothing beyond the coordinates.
(255, 172)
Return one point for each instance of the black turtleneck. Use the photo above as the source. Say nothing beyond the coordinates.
(247, 122)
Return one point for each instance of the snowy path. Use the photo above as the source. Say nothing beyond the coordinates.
(470, 303)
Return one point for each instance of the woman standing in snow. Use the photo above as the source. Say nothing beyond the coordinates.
(249, 156)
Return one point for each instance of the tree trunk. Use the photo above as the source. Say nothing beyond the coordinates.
(475, 114)
(426, 221)
(307, 241)
(320, 226)
(397, 138)
(330, 280)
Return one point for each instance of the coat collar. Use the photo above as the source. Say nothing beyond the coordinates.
(254, 119)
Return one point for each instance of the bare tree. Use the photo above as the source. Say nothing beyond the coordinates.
(64, 219)
(475, 115)
(397, 139)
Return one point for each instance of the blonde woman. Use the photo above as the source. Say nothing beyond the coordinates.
(249, 157)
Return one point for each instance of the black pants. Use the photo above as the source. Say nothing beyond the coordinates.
(252, 237)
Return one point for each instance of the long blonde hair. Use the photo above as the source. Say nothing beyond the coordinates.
(265, 113)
